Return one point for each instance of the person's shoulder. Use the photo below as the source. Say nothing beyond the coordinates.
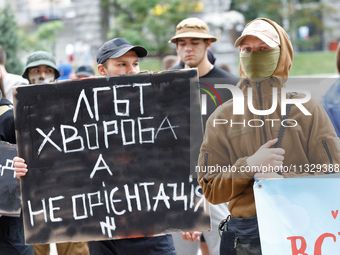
(6, 111)
(15, 79)
(220, 73)
(4, 101)
(217, 72)
(331, 97)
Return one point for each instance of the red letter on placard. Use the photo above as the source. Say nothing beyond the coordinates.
(295, 250)
(319, 241)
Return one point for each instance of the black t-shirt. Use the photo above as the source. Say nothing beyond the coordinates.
(207, 83)
(7, 130)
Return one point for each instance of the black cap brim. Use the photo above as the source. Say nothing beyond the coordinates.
(140, 51)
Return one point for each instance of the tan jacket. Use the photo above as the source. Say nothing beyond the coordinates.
(312, 141)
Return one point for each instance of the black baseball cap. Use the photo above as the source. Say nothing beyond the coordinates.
(116, 48)
(84, 70)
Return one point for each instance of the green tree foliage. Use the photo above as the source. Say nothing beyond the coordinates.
(309, 15)
(252, 9)
(15, 40)
(150, 23)
(9, 40)
(44, 38)
(291, 14)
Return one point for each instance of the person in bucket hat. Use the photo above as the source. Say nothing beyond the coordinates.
(192, 27)
(41, 68)
(193, 41)
(195, 33)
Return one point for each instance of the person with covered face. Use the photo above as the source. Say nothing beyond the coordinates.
(41, 68)
(266, 56)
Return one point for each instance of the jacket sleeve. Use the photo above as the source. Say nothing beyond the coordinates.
(219, 178)
(322, 148)
(324, 144)
(7, 132)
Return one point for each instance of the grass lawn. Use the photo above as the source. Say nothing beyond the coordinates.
(308, 63)
(150, 64)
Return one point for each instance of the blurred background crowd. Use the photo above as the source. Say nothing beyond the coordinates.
(73, 30)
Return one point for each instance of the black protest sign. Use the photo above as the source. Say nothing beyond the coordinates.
(110, 157)
(10, 199)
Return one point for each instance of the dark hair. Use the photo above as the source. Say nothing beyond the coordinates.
(2, 56)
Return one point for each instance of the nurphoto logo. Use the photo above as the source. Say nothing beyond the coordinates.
(239, 104)
(204, 97)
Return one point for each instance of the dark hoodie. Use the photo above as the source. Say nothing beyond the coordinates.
(7, 131)
(312, 141)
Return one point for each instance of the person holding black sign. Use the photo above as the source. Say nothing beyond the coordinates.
(12, 239)
(193, 42)
(41, 68)
(118, 57)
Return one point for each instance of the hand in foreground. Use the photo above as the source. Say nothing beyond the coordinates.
(20, 167)
(266, 156)
(192, 236)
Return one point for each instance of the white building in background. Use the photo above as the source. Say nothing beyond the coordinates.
(21, 10)
(27, 10)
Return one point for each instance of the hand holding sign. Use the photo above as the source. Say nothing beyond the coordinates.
(95, 173)
(20, 167)
(192, 236)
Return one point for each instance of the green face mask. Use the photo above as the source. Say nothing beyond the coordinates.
(260, 65)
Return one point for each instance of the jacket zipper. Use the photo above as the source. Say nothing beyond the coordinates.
(324, 143)
(206, 166)
(261, 108)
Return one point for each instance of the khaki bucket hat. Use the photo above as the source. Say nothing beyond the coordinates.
(192, 27)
